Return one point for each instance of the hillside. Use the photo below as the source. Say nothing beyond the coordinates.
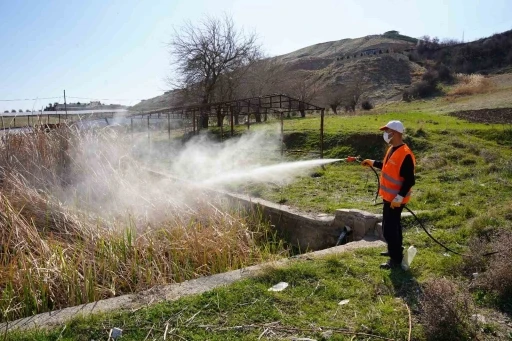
(382, 66)
(377, 59)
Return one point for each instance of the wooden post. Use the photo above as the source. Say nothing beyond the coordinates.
(248, 114)
(28, 120)
(59, 118)
(222, 128)
(14, 122)
(282, 134)
(149, 136)
(322, 134)
(48, 119)
(231, 120)
(169, 125)
(194, 122)
(65, 106)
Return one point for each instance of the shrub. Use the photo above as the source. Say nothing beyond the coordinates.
(407, 95)
(498, 277)
(425, 89)
(420, 90)
(475, 261)
(430, 76)
(366, 105)
(443, 72)
(446, 311)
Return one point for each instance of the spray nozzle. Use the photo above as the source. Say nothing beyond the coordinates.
(352, 158)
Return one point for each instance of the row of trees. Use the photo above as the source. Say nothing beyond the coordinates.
(215, 62)
(477, 56)
(14, 111)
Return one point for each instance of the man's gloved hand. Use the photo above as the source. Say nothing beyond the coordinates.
(367, 162)
(397, 201)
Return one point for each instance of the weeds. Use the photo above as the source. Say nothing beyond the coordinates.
(498, 276)
(447, 311)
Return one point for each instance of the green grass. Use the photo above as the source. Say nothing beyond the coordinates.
(244, 310)
(459, 164)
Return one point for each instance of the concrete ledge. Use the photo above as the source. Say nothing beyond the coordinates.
(168, 293)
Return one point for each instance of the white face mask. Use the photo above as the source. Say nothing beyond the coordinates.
(387, 137)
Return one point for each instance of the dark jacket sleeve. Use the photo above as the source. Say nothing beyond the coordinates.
(377, 164)
(407, 172)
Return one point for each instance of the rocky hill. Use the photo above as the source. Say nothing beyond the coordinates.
(378, 62)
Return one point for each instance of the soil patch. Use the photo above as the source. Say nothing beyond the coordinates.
(500, 116)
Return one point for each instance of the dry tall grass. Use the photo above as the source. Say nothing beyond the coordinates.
(471, 84)
(80, 222)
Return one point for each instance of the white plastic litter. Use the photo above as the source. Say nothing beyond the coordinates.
(343, 302)
(408, 257)
(115, 333)
(279, 286)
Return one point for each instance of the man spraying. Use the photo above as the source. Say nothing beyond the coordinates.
(396, 181)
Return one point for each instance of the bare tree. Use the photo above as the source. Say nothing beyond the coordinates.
(303, 88)
(266, 76)
(205, 53)
(333, 97)
(353, 94)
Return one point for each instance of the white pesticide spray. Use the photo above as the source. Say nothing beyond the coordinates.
(106, 171)
(272, 173)
(253, 157)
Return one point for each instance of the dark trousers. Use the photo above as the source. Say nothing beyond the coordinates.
(392, 231)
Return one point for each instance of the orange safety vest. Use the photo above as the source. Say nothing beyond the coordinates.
(390, 179)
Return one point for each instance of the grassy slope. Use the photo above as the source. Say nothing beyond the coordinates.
(464, 178)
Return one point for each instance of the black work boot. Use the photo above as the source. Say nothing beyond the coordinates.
(386, 254)
(390, 264)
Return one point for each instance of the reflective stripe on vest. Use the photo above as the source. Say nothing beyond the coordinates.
(396, 182)
(393, 191)
(390, 179)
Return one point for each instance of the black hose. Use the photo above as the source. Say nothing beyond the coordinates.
(378, 184)
(421, 223)
(431, 236)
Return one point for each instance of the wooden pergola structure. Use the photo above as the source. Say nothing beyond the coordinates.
(214, 114)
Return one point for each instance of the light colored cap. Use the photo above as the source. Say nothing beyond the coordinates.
(394, 125)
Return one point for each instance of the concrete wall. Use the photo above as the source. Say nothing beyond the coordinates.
(306, 231)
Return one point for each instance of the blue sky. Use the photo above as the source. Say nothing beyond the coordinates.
(117, 49)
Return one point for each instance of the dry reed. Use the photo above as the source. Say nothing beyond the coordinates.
(471, 84)
(80, 222)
